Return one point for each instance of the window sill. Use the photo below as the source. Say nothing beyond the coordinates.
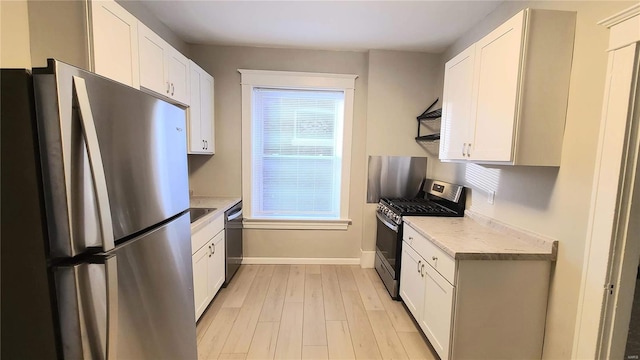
(291, 224)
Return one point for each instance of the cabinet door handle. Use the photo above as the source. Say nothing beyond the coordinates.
(463, 147)
(422, 272)
(419, 261)
(469, 150)
(209, 250)
(434, 258)
(168, 87)
(214, 248)
(206, 145)
(173, 88)
(202, 144)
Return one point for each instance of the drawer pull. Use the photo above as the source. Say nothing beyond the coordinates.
(419, 261)
(434, 258)
(422, 270)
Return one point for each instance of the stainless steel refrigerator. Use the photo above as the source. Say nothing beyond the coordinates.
(96, 250)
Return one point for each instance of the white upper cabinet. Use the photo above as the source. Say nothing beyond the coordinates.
(114, 41)
(456, 108)
(178, 75)
(201, 111)
(152, 54)
(515, 113)
(163, 69)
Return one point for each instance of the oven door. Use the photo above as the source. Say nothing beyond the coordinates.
(389, 234)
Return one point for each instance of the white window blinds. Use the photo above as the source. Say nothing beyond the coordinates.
(296, 153)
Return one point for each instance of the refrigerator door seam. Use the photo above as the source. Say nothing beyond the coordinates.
(111, 270)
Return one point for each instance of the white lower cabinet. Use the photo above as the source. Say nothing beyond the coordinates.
(208, 263)
(412, 281)
(437, 310)
(473, 308)
(428, 296)
(201, 292)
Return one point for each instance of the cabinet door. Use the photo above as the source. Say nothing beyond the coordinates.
(115, 43)
(196, 143)
(153, 51)
(411, 280)
(217, 265)
(207, 112)
(178, 75)
(201, 292)
(456, 108)
(497, 74)
(437, 311)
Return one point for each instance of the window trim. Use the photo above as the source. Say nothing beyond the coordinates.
(251, 79)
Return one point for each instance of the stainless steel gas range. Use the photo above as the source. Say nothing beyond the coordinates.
(440, 199)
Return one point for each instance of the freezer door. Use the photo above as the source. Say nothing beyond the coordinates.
(135, 302)
(113, 158)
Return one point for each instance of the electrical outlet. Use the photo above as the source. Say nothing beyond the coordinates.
(491, 199)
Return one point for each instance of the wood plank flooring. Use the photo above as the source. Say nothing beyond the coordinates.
(308, 312)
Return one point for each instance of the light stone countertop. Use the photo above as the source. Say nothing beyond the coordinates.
(221, 204)
(476, 237)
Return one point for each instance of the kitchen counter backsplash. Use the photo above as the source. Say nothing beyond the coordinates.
(475, 236)
(221, 204)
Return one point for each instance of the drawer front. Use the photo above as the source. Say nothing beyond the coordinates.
(206, 233)
(434, 256)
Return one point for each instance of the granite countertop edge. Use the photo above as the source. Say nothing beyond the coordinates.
(548, 247)
(221, 204)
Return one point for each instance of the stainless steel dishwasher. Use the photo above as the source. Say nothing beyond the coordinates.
(233, 238)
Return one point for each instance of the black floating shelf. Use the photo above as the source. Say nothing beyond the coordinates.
(431, 115)
(430, 137)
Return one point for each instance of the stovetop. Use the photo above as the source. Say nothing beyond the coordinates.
(440, 199)
(417, 207)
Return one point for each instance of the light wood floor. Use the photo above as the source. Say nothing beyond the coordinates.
(308, 312)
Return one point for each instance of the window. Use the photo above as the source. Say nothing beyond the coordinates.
(296, 149)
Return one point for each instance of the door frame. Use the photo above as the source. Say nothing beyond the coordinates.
(604, 308)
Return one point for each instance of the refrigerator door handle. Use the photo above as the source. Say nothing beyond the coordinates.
(95, 162)
(88, 309)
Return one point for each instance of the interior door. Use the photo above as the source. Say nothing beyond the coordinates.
(456, 109)
(495, 95)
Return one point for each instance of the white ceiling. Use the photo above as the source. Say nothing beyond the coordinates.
(429, 26)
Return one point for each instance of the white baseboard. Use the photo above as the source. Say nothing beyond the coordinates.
(306, 261)
(367, 259)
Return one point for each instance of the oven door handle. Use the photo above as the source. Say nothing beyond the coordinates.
(389, 224)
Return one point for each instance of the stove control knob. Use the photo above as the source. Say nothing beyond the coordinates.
(397, 219)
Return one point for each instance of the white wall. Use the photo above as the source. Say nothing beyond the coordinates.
(401, 86)
(391, 90)
(220, 175)
(14, 35)
(140, 11)
(550, 201)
